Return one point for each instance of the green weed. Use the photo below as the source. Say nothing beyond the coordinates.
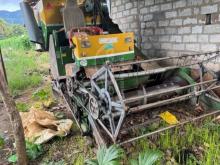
(41, 94)
(22, 107)
(2, 142)
(33, 152)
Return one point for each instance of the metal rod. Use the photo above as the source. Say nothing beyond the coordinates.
(161, 103)
(167, 91)
(123, 131)
(158, 70)
(168, 101)
(163, 58)
(170, 127)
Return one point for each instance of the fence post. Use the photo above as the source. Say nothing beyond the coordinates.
(14, 116)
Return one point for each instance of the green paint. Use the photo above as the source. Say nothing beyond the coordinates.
(102, 61)
(210, 103)
(47, 31)
(185, 74)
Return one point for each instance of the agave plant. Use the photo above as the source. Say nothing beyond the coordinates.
(107, 156)
(148, 157)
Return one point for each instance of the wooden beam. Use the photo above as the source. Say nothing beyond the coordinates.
(14, 116)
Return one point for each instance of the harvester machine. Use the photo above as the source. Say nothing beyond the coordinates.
(111, 89)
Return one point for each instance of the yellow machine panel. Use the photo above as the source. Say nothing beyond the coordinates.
(50, 11)
(103, 45)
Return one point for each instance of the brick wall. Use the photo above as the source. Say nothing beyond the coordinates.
(170, 27)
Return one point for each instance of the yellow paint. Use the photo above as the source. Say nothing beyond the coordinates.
(103, 45)
(169, 118)
(50, 11)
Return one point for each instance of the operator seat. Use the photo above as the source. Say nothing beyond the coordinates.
(73, 16)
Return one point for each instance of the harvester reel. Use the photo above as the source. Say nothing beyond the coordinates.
(112, 111)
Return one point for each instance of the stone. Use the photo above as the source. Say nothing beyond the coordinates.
(184, 30)
(159, 31)
(144, 10)
(134, 11)
(150, 24)
(194, 2)
(178, 46)
(179, 4)
(166, 46)
(212, 28)
(190, 38)
(203, 38)
(164, 38)
(197, 29)
(166, 6)
(189, 21)
(154, 8)
(176, 22)
(215, 38)
(171, 14)
(128, 5)
(170, 30)
(193, 47)
(149, 2)
(209, 9)
(148, 32)
(185, 12)
(208, 47)
(148, 17)
(164, 23)
(176, 38)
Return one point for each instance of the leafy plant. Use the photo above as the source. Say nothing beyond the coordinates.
(107, 156)
(22, 107)
(41, 95)
(148, 157)
(13, 158)
(33, 152)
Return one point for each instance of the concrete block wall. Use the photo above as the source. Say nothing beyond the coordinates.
(170, 27)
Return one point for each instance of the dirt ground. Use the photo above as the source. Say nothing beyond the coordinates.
(6, 133)
(5, 126)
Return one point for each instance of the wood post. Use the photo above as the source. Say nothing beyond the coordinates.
(14, 116)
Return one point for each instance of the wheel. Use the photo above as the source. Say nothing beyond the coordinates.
(112, 110)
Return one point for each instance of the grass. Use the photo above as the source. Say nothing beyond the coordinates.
(193, 144)
(22, 63)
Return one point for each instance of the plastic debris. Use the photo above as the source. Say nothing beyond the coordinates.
(169, 118)
(41, 126)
